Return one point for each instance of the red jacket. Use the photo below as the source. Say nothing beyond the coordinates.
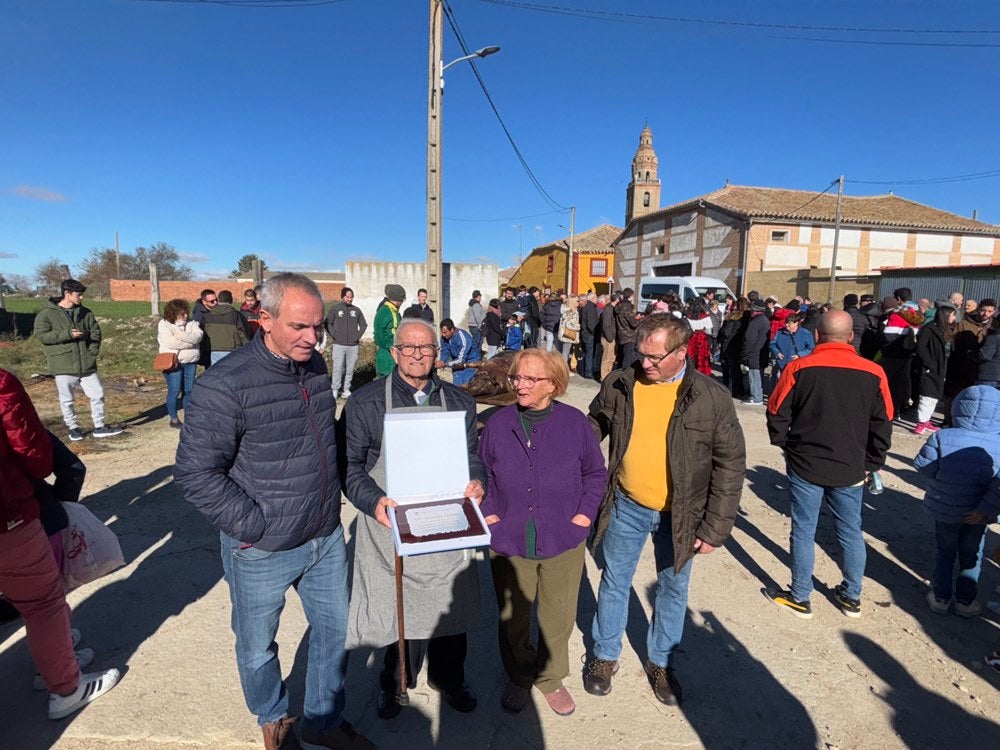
(778, 320)
(25, 454)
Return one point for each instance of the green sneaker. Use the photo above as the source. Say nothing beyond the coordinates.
(783, 598)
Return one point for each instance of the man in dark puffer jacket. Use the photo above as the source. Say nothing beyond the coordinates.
(258, 457)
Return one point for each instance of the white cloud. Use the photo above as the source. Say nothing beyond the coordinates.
(212, 273)
(36, 193)
(194, 257)
(5, 256)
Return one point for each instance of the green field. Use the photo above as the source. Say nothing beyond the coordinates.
(102, 309)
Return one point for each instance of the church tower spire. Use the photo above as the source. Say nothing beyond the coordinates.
(643, 194)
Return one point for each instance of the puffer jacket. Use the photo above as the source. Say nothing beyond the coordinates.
(933, 350)
(64, 354)
(182, 338)
(707, 457)
(25, 454)
(258, 452)
(962, 461)
(625, 322)
(551, 314)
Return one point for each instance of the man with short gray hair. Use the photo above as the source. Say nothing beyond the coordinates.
(258, 457)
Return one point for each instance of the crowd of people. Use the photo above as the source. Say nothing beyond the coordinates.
(674, 474)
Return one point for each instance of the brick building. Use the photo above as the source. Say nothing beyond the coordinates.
(329, 285)
(593, 262)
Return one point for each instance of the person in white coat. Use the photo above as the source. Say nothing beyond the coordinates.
(176, 334)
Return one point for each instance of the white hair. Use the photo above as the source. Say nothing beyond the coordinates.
(406, 322)
(273, 290)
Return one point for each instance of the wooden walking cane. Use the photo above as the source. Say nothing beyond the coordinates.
(403, 697)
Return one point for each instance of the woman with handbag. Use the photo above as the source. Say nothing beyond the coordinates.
(179, 337)
(569, 328)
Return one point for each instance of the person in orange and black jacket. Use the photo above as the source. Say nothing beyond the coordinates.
(831, 414)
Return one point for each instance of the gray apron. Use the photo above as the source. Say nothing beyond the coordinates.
(440, 590)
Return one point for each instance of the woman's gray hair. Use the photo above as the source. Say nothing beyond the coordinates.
(273, 290)
(405, 322)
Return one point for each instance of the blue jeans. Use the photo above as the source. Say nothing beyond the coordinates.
(755, 386)
(180, 380)
(477, 337)
(585, 365)
(964, 541)
(631, 524)
(845, 504)
(258, 581)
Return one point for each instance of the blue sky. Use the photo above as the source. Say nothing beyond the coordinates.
(299, 133)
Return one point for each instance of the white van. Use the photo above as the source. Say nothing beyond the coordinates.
(686, 288)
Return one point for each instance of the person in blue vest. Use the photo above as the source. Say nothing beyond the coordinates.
(514, 335)
(458, 348)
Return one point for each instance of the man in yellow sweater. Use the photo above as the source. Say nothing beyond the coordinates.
(676, 464)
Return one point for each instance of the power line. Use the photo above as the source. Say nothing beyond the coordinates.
(453, 22)
(795, 211)
(609, 14)
(933, 180)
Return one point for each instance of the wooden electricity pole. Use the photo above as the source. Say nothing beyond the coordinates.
(435, 94)
(154, 288)
(836, 241)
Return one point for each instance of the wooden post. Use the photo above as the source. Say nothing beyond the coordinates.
(258, 272)
(836, 241)
(154, 288)
(400, 626)
(64, 270)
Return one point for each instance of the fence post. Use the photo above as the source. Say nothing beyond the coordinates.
(258, 272)
(154, 288)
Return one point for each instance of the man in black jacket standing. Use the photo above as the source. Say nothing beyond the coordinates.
(589, 322)
(346, 325)
(755, 341)
(258, 458)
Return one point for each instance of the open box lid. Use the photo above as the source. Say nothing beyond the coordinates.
(426, 456)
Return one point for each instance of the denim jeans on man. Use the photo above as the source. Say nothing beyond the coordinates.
(585, 359)
(755, 386)
(964, 541)
(477, 337)
(181, 379)
(845, 504)
(547, 340)
(345, 359)
(631, 524)
(258, 582)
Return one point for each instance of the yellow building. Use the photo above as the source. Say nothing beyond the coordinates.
(593, 262)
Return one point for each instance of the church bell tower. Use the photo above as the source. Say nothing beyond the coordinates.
(643, 194)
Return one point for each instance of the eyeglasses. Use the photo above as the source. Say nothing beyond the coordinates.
(212, 301)
(528, 380)
(408, 350)
(654, 360)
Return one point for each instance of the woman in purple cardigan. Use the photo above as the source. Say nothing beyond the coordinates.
(546, 478)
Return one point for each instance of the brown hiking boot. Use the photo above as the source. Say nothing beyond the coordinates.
(597, 676)
(665, 686)
(279, 735)
(341, 737)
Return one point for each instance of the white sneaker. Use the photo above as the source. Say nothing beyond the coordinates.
(92, 686)
(83, 657)
(345, 394)
(938, 606)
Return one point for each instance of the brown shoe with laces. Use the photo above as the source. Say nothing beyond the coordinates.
(597, 676)
(279, 735)
(665, 686)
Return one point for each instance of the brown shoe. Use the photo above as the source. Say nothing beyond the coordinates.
(279, 735)
(561, 701)
(597, 676)
(341, 737)
(665, 686)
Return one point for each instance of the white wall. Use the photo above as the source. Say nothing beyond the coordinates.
(368, 281)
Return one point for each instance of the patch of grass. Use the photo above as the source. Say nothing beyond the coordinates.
(102, 309)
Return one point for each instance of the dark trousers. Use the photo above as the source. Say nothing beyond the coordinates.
(585, 357)
(445, 662)
(627, 355)
(897, 372)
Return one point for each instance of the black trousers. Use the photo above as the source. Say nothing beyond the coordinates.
(445, 662)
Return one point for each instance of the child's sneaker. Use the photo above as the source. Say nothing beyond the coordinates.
(993, 660)
(83, 657)
(850, 607)
(923, 427)
(783, 598)
(972, 609)
(92, 686)
(938, 606)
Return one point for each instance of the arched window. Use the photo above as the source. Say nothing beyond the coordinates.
(647, 175)
(645, 200)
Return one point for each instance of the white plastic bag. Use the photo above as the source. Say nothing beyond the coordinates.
(90, 549)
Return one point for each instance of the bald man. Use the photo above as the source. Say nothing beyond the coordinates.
(831, 414)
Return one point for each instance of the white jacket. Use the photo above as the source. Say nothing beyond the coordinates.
(180, 338)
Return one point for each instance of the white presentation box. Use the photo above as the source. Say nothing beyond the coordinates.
(426, 471)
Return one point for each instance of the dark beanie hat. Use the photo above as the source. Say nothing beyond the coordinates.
(758, 305)
(850, 300)
(395, 292)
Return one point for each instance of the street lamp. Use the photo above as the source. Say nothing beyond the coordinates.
(435, 96)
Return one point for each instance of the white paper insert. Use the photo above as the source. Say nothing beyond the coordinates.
(437, 519)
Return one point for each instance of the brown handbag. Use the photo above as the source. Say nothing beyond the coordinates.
(165, 362)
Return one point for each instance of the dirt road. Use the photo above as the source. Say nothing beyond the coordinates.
(753, 676)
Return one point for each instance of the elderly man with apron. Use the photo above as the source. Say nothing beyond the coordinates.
(440, 590)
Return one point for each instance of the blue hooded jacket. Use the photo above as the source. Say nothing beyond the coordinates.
(961, 462)
(790, 345)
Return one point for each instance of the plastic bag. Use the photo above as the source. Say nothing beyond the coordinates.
(90, 549)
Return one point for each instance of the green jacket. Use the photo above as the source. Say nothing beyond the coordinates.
(384, 328)
(707, 457)
(64, 354)
(226, 329)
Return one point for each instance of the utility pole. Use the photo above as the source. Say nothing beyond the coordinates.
(118, 258)
(569, 253)
(435, 94)
(836, 240)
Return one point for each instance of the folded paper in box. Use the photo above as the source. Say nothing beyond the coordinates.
(427, 470)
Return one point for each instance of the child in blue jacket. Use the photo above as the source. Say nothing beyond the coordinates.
(791, 342)
(962, 464)
(514, 335)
